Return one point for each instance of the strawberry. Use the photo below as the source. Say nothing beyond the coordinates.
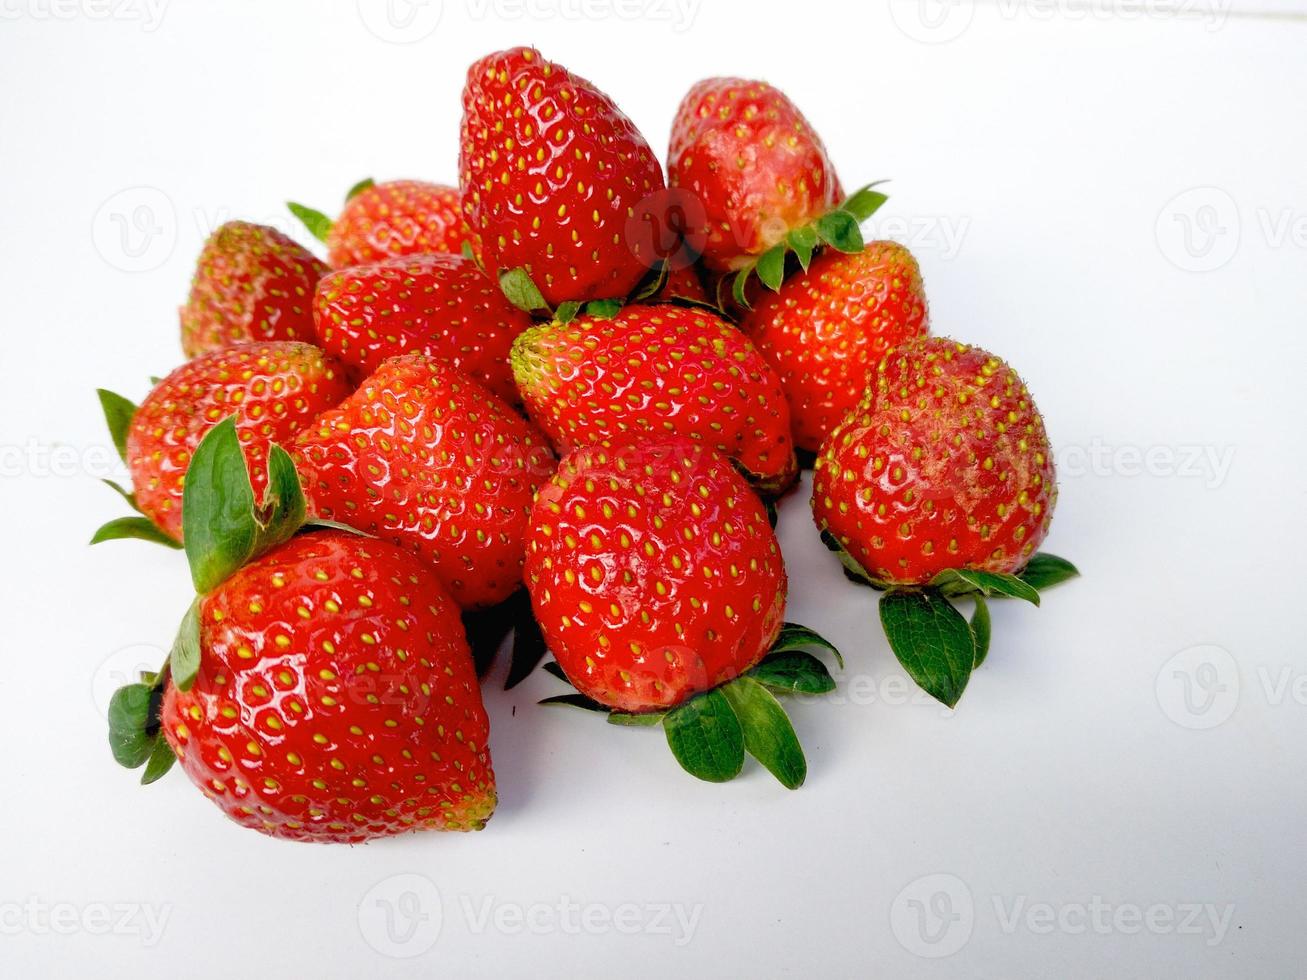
(423, 456)
(755, 163)
(683, 282)
(658, 582)
(396, 217)
(940, 484)
(656, 371)
(551, 174)
(827, 328)
(272, 390)
(251, 284)
(321, 687)
(441, 305)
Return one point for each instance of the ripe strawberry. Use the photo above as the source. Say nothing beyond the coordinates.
(683, 282)
(652, 372)
(251, 284)
(827, 328)
(381, 221)
(938, 486)
(425, 457)
(755, 164)
(440, 305)
(658, 582)
(271, 389)
(551, 173)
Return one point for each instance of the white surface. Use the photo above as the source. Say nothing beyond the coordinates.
(1060, 145)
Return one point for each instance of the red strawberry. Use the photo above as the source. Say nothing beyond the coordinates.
(826, 329)
(251, 283)
(380, 221)
(683, 282)
(551, 173)
(755, 164)
(658, 582)
(271, 389)
(938, 486)
(653, 372)
(440, 305)
(425, 457)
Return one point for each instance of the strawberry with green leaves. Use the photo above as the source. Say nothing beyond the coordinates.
(650, 372)
(251, 284)
(423, 456)
(443, 306)
(395, 217)
(553, 176)
(272, 390)
(658, 583)
(320, 687)
(938, 486)
(827, 328)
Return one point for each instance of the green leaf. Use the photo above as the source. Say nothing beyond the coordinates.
(130, 739)
(1045, 571)
(359, 188)
(567, 311)
(519, 290)
(553, 667)
(647, 719)
(466, 251)
(980, 630)
(576, 701)
(705, 736)
(184, 660)
(863, 203)
(652, 283)
(316, 222)
(603, 309)
(160, 761)
(839, 229)
(803, 240)
(135, 526)
(795, 637)
(768, 735)
(969, 581)
(931, 640)
(738, 286)
(283, 509)
(128, 496)
(118, 414)
(771, 267)
(528, 645)
(793, 673)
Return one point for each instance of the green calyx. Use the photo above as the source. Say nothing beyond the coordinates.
(135, 735)
(317, 223)
(839, 228)
(488, 628)
(118, 415)
(711, 733)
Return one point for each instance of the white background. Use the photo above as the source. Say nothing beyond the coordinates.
(1100, 776)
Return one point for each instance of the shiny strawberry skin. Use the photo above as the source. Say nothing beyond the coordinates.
(273, 389)
(336, 700)
(551, 172)
(251, 284)
(654, 372)
(826, 329)
(398, 217)
(425, 457)
(440, 305)
(653, 572)
(744, 149)
(944, 464)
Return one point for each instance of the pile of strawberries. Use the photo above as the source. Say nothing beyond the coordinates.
(559, 400)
